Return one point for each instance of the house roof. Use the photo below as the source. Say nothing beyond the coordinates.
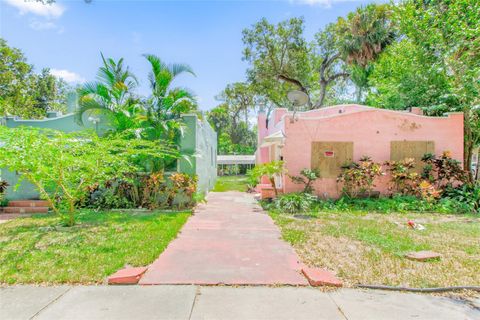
(236, 159)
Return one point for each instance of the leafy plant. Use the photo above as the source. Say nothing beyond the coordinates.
(306, 177)
(467, 194)
(141, 190)
(443, 171)
(295, 202)
(404, 179)
(358, 178)
(3, 188)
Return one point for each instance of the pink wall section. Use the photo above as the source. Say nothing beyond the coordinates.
(371, 131)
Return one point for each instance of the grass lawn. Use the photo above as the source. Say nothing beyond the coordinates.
(369, 248)
(39, 250)
(231, 183)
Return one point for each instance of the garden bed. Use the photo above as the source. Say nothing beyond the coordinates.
(39, 249)
(369, 248)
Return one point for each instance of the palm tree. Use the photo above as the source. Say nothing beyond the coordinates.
(363, 36)
(166, 104)
(111, 96)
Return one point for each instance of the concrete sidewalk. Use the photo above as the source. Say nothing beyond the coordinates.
(196, 302)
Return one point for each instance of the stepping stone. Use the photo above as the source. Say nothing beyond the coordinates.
(423, 255)
(321, 277)
(127, 276)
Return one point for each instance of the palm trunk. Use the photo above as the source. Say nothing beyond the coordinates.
(272, 181)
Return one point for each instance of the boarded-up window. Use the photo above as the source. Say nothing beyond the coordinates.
(400, 150)
(330, 156)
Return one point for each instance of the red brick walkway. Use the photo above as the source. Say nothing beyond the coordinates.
(230, 240)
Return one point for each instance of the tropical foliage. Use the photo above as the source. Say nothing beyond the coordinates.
(359, 178)
(112, 98)
(270, 170)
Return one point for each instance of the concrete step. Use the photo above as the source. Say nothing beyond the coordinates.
(28, 203)
(25, 210)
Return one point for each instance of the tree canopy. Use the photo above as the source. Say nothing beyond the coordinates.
(25, 93)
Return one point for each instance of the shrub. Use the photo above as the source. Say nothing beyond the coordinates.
(403, 179)
(359, 178)
(3, 188)
(270, 170)
(295, 202)
(253, 178)
(150, 191)
(467, 197)
(306, 177)
(444, 171)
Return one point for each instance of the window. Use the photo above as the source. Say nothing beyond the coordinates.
(400, 150)
(329, 156)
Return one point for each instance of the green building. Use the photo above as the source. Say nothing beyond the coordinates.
(199, 142)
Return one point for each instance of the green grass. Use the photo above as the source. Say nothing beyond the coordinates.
(231, 183)
(369, 248)
(40, 249)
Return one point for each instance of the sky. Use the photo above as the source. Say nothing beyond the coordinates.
(68, 36)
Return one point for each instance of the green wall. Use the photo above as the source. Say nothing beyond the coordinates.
(199, 142)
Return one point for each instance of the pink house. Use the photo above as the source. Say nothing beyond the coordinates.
(329, 137)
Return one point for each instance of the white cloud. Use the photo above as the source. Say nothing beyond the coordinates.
(53, 10)
(323, 3)
(68, 76)
(42, 25)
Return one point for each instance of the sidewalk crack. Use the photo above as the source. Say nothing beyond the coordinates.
(338, 307)
(197, 293)
(50, 303)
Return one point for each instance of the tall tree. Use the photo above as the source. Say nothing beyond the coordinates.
(279, 58)
(231, 119)
(362, 36)
(24, 93)
(447, 31)
(166, 103)
(282, 60)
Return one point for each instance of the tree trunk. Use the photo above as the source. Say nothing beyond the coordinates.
(477, 168)
(359, 93)
(323, 92)
(272, 181)
(468, 145)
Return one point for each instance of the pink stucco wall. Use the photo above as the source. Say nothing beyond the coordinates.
(371, 131)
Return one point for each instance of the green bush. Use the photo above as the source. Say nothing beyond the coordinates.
(465, 197)
(152, 191)
(3, 188)
(295, 202)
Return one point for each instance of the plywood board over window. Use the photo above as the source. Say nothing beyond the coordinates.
(400, 150)
(330, 156)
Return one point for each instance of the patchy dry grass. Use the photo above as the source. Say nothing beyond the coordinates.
(40, 250)
(370, 248)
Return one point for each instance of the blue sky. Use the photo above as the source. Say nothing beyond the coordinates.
(69, 36)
